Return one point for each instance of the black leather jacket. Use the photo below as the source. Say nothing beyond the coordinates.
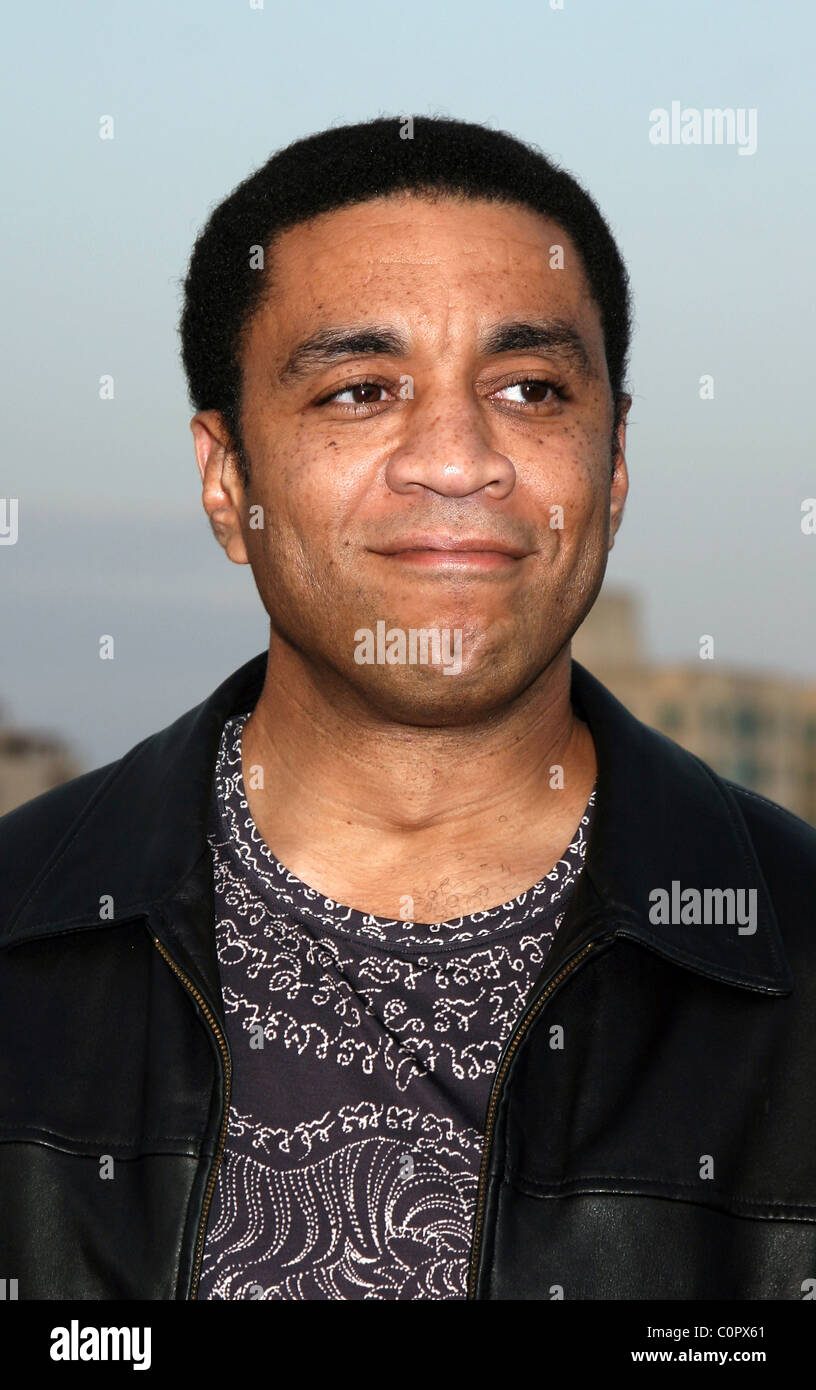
(662, 1146)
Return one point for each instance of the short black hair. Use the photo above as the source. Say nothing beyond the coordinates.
(354, 164)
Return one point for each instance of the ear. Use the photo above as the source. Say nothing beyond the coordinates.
(620, 477)
(222, 488)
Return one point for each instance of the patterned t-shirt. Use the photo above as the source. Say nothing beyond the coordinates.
(363, 1052)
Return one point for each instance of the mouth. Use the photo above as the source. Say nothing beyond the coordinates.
(452, 552)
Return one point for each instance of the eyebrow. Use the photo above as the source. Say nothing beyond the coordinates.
(550, 337)
(328, 345)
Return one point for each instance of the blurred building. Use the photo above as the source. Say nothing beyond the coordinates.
(758, 730)
(30, 763)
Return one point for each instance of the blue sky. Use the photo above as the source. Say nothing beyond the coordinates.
(719, 246)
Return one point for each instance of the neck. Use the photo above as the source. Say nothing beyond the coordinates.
(354, 765)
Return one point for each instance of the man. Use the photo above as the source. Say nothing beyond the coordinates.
(408, 965)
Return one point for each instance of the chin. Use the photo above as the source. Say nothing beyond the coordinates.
(431, 699)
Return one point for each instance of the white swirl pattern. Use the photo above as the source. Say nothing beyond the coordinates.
(363, 1051)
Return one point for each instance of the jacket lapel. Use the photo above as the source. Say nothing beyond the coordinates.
(665, 821)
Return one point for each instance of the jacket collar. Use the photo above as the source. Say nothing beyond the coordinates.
(661, 816)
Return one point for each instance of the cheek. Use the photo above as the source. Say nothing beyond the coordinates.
(570, 485)
(308, 502)
(286, 481)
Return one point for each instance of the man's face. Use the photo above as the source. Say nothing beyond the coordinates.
(422, 377)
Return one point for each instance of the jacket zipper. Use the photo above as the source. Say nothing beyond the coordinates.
(220, 1039)
(495, 1095)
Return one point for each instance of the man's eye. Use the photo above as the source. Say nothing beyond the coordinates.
(359, 393)
(531, 391)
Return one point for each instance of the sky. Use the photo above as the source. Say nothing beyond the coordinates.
(112, 537)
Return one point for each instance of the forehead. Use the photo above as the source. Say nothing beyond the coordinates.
(414, 257)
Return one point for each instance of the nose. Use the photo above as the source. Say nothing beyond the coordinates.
(446, 449)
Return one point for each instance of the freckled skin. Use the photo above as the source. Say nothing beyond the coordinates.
(407, 773)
